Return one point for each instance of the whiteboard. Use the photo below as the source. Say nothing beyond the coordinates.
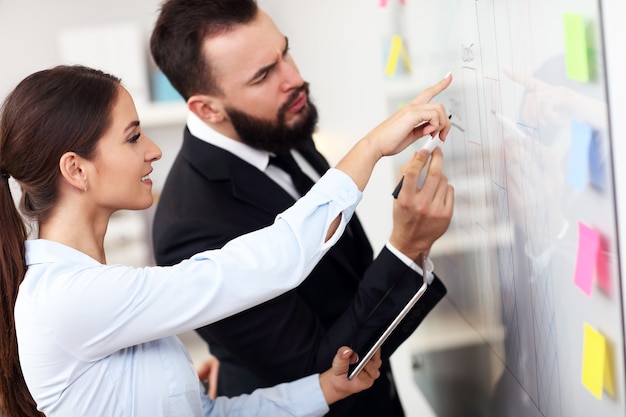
(531, 258)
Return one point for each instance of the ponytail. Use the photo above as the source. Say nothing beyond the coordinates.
(16, 399)
(50, 112)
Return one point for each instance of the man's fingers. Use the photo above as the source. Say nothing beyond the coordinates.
(413, 169)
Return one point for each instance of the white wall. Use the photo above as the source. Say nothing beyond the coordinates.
(338, 46)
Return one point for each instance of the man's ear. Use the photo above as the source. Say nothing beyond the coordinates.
(72, 170)
(207, 108)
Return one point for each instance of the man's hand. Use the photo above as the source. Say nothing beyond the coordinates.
(422, 215)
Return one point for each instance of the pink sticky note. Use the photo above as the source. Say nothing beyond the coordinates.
(604, 274)
(587, 257)
(383, 3)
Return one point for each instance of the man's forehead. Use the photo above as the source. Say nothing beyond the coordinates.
(240, 52)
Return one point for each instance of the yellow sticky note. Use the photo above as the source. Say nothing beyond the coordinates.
(594, 361)
(396, 52)
(609, 378)
(576, 55)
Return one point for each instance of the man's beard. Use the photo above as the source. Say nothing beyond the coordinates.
(275, 136)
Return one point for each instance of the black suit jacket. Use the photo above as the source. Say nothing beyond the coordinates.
(210, 197)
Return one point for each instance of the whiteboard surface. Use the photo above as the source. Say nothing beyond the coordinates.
(509, 257)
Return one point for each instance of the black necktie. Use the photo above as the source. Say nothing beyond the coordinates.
(285, 161)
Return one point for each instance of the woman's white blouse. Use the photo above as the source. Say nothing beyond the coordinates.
(99, 340)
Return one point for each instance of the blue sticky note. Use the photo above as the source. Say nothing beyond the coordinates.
(578, 164)
(596, 163)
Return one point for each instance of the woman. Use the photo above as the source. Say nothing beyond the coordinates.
(99, 340)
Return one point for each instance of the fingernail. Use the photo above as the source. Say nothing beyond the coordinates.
(345, 352)
(448, 74)
(424, 152)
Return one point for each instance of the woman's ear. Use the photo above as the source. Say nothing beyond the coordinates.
(71, 165)
(207, 108)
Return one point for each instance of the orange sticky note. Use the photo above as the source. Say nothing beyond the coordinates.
(396, 52)
(594, 361)
(587, 257)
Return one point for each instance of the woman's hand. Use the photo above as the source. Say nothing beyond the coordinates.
(335, 383)
(207, 372)
(413, 121)
(417, 119)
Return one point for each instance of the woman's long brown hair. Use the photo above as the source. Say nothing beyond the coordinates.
(49, 113)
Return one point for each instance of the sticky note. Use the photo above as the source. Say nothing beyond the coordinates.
(596, 162)
(396, 52)
(587, 257)
(383, 3)
(580, 148)
(609, 377)
(594, 360)
(576, 56)
(603, 270)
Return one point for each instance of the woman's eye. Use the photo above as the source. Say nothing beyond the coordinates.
(134, 138)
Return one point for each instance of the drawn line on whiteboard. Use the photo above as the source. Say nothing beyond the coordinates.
(457, 126)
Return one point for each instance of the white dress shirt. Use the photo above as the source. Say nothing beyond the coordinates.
(98, 340)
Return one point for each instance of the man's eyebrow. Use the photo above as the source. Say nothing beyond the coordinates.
(267, 68)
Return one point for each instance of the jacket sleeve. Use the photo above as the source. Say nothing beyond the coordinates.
(387, 286)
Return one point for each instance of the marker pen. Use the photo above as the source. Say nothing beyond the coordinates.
(430, 145)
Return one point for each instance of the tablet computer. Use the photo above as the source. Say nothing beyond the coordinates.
(371, 346)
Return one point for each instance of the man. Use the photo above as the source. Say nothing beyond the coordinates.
(248, 104)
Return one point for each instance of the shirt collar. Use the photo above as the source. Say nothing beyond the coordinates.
(39, 251)
(256, 157)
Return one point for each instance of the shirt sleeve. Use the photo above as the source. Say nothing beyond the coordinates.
(430, 267)
(122, 306)
(300, 398)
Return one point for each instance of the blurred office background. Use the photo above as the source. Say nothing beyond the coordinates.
(339, 48)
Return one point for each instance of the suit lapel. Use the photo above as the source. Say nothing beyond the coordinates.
(359, 239)
(247, 182)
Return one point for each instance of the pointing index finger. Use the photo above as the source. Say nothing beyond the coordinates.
(432, 91)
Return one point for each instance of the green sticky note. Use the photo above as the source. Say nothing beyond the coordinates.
(576, 57)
